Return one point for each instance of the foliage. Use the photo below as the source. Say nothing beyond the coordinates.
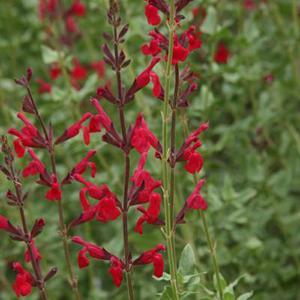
(251, 151)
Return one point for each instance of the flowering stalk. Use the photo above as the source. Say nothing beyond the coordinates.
(46, 141)
(24, 280)
(168, 188)
(114, 21)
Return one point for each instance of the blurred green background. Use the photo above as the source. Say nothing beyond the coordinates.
(251, 150)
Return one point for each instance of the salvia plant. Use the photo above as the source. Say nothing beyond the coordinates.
(145, 199)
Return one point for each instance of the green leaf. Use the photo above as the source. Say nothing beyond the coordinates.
(187, 260)
(89, 86)
(209, 25)
(245, 296)
(49, 55)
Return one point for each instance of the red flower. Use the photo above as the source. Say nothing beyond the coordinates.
(81, 167)
(142, 137)
(153, 257)
(116, 270)
(55, 71)
(152, 15)
(222, 54)
(249, 4)
(188, 151)
(143, 79)
(54, 194)
(193, 38)
(4, 223)
(157, 88)
(78, 72)
(144, 180)
(105, 210)
(36, 253)
(89, 248)
(179, 53)
(78, 8)
(151, 214)
(74, 130)
(23, 283)
(152, 49)
(269, 78)
(72, 27)
(44, 87)
(195, 200)
(29, 136)
(104, 119)
(99, 67)
(34, 167)
(194, 160)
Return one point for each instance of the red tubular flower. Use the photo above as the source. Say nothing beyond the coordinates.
(104, 119)
(74, 130)
(7, 226)
(34, 167)
(157, 88)
(152, 49)
(152, 15)
(99, 67)
(4, 223)
(81, 167)
(92, 249)
(193, 38)
(105, 210)
(195, 200)
(179, 53)
(82, 259)
(78, 8)
(188, 152)
(144, 181)
(151, 214)
(222, 54)
(55, 71)
(78, 72)
(29, 136)
(36, 253)
(54, 194)
(116, 270)
(24, 281)
(153, 257)
(142, 137)
(194, 162)
(142, 80)
(44, 87)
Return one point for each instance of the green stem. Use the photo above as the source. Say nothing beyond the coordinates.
(168, 201)
(212, 253)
